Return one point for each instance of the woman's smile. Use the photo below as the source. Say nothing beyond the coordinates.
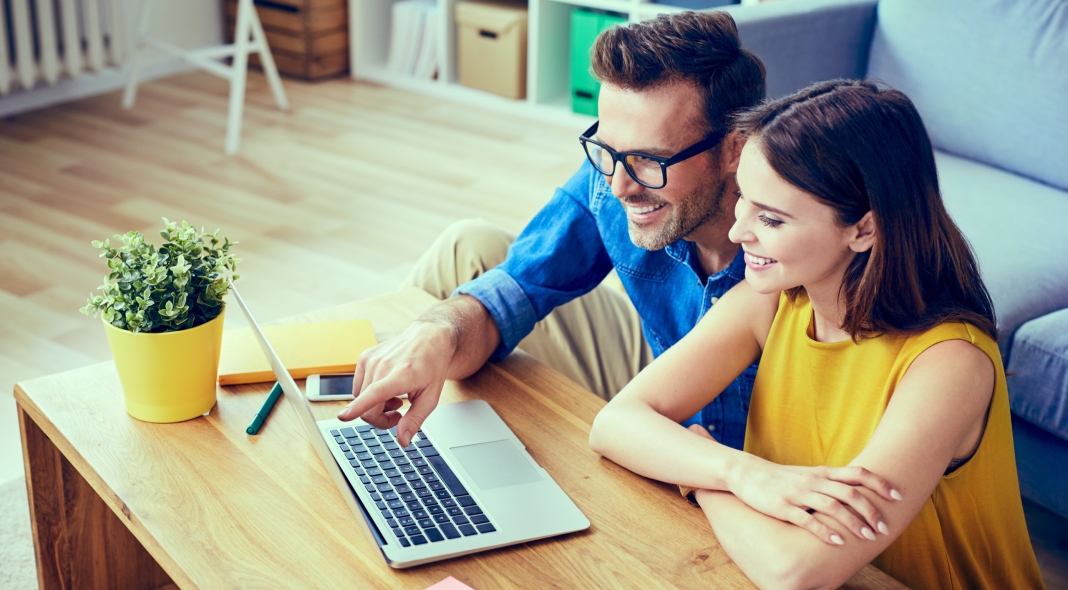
(758, 263)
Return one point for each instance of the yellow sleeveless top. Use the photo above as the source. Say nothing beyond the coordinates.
(817, 403)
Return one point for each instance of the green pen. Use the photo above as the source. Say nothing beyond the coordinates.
(272, 399)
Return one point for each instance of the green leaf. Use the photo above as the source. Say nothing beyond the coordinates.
(174, 287)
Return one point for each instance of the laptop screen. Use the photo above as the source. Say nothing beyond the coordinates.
(299, 404)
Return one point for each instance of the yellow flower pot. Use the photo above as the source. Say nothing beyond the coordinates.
(170, 376)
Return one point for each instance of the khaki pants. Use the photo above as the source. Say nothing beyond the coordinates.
(595, 340)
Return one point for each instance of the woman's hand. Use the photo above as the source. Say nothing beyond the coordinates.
(792, 494)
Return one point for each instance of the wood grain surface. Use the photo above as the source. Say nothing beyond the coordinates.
(218, 508)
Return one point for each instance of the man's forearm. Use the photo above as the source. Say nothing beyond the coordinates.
(471, 330)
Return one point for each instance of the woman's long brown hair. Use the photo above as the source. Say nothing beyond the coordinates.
(859, 147)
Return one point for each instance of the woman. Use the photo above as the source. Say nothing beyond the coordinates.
(879, 424)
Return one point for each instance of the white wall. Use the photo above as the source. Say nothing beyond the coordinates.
(185, 23)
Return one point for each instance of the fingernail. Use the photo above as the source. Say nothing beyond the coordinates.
(883, 528)
(838, 540)
(894, 494)
(407, 435)
(867, 534)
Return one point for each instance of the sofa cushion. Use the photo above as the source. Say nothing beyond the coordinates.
(990, 77)
(1038, 380)
(805, 42)
(1040, 466)
(1019, 231)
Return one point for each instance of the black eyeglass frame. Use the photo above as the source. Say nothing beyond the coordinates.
(702, 146)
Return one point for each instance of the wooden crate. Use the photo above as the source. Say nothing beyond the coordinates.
(309, 39)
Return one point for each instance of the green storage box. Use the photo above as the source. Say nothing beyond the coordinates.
(585, 26)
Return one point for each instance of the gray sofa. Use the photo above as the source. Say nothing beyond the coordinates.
(990, 78)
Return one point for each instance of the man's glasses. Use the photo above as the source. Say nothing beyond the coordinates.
(647, 170)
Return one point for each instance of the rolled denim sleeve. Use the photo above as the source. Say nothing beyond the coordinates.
(507, 303)
(559, 256)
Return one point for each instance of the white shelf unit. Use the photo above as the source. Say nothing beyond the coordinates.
(548, 32)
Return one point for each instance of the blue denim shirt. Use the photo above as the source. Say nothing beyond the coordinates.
(570, 247)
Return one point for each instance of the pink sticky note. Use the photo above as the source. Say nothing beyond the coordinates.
(450, 583)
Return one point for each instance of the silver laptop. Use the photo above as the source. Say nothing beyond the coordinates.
(464, 484)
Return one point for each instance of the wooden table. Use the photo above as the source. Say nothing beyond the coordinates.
(118, 503)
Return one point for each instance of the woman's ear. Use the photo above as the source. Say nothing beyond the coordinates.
(732, 150)
(862, 236)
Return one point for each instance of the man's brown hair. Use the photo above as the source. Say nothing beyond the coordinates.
(702, 48)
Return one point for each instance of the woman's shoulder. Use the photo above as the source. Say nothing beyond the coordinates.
(951, 330)
(756, 310)
(952, 343)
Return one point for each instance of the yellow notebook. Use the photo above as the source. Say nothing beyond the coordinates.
(305, 349)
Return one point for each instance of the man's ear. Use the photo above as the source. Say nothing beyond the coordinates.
(733, 143)
(862, 234)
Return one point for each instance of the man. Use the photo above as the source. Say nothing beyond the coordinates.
(654, 200)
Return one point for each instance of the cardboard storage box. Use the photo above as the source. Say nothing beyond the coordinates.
(492, 51)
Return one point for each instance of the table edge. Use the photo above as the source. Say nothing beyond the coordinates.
(103, 491)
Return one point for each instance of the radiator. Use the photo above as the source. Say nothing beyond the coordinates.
(44, 40)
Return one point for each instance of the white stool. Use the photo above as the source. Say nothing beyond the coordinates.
(248, 24)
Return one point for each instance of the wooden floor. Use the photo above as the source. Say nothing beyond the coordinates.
(331, 201)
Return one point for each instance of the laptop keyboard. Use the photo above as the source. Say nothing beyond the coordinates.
(416, 491)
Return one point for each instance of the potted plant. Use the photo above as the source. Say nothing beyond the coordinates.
(163, 314)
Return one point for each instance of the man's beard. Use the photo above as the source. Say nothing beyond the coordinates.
(702, 205)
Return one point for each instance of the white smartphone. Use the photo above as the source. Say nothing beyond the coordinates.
(327, 388)
(331, 387)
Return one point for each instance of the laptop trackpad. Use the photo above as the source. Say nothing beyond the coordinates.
(496, 464)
